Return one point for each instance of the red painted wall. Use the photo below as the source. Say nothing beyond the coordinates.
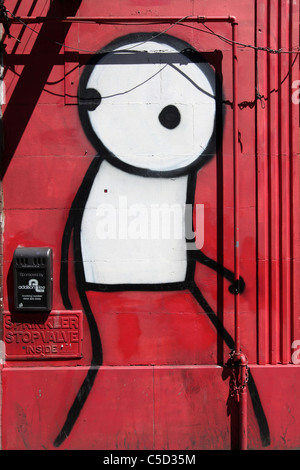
(160, 380)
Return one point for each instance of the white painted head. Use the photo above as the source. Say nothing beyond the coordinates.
(151, 104)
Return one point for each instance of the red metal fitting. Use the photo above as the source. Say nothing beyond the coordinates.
(239, 364)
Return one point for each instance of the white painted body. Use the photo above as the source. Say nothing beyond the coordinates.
(122, 240)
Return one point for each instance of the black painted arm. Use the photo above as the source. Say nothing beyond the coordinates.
(236, 287)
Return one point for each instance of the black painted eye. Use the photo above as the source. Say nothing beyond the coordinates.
(169, 117)
(90, 98)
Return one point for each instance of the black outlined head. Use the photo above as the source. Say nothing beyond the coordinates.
(148, 105)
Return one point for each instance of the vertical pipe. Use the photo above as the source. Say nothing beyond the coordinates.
(294, 175)
(274, 181)
(284, 127)
(236, 186)
(262, 200)
(243, 420)
(2, 344)
(239, 357)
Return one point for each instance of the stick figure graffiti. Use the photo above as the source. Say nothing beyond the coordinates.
(148, 105)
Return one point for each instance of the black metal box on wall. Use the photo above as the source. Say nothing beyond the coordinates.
(33, 279)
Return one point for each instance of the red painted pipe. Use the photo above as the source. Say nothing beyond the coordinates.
(236, 184)
(121, 19)
(238, 356)
(240, 363)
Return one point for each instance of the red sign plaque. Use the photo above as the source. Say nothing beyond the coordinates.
(34, 336)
